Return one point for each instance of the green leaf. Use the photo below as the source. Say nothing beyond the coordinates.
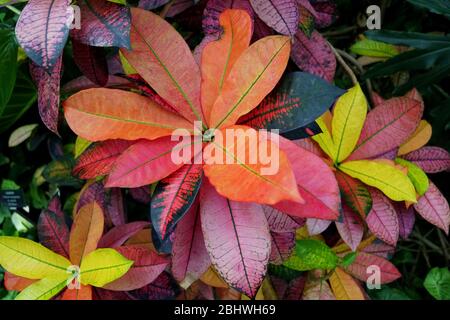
(9, 185)
(435, 6)
(43, 289)
(437, 283)
(21, 134)
(81, 145)
(311, 254)
(348, 259)
(373, 48)
(418, 178)
(8, 63)
(60, 172)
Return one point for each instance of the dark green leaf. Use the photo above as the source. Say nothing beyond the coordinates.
(8, 66)
(411, 39)
(435, 6)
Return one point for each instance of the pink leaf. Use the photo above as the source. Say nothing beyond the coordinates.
(360, 268)
(282, 245)
(434, 208)
(91, 61)
(53, 232)
(48, 84)
(237, 239)
(317, 226)
(42, 30)
(314, 55)
(382, 219)
(281, 222)
(214, 8)
(380, 249)
(117, 236)
(406, 219)
(430, 159)
(350, 228)
(103, 24)
(387, 127)
(281, 15)
(189, 256)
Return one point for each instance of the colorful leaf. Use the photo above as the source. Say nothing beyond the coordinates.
(151, 4)
(162, 288)
(317, 290)
(344, 286)
(360, 268)
(418, 178)
(53, 232)
(117, 236)
(406, 218)
(317, 226)
(324, 139)
(91, 61)
(117, 114)
(282, 15)
(237, 239)
(280, 222)
(252, 77)
(38, 20)
(87, 228)
(355, 194)
(219, 56)
(166, 63)
(382, 219)
(282, 245)
(418, 139)
(387, 127)
(350, 228)
(434, 208)
(12, 282)
(311, 254)
(325, 13)
(314, 55)
(173, 197)
(8, 73)
(44, 289)
(83, 293)
(430, 159)
(103, 24)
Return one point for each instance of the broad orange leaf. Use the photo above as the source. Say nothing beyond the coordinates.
(83, 293)
(344, 286)
(102, 114)
(252, 77)
(16, 283)
(86, 231)
(219, 56)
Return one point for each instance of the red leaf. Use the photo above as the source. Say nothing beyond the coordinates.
(84, 293)
(173, 197)
(360, 268)
(314, 55)
(189, 256)
(53, 232)
(430, 159)
(282, 245)
(98, 159)
(103, 24)
(16, 283)
(382, 219)
(434, 208)
(406, 218)
(48, 84)
(237, 239)
(387, 127)
(281, 15)
(147, 266)
(354, 193)
(317, 226)
(103, 294)
(214, 8)
(42, 30)
(117, 236)
(91, 61)
(350, 228)
(281, 222)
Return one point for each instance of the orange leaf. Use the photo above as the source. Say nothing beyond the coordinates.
(219, 56)
(16, 283)
(344, 286)
(87, 228)
(162, 57)
(418, 139)
(252, 77)
(84, 293)
(237, 170)
(102, 114)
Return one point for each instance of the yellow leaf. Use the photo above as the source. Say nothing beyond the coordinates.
(344, 286)
(348, 119)
(211, 278)
(418, 139)
(127, 67)
(390, 180)
(81, 145)
(342, 247)
(324, 139)
(28, 259)
(43, 289)
(103, 266)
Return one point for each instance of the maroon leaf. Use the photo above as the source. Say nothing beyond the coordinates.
(103, 24)
(189, 256)
(173, 197)
(281, 15)
(434, 208)
(92, 191)
(147, 266)
(117, 236)
(317, 226)
(98, 159)
(430, 159)
(326, 13)
(162, 288)
(350, 228)
(48, 84)
(282, 245)
(360, 268)
(91, 61)
(55, 205)
(151, 4)
(294, 290)
(314, 55)
(179, 6)
(214, 8)
(53, 232)
(103, 294)
(406, 219)
(42, 30)
(237, 239)
(141, 194)
(281, 222)
(261, 29)
(382, 219)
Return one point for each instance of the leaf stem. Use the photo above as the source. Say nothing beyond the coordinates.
(344, 65)
(15, 10)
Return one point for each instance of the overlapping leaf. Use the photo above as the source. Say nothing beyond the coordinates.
(281, 15)
(359, 268)
(282, 245)
(213, 9)
(91, 61)
(350, 228)
(430, 159)
(344, 286)
(53, 232)
(355, 194)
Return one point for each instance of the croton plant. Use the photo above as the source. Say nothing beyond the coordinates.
(219, 229)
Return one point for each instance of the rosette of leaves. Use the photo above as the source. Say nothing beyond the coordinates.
(232, 80)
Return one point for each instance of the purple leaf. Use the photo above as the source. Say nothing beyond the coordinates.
(350, 228)
(114, 207)
(53, 232)
(326, 13)
(282, 245)
(151, 4)
(261, 30)
(189, 256)
(213, 10)
(91, 61)
(162, 288)
(117, 236)
(382, 219)
(380, 249)
(199, 48)
(237, 238)
(430, 159)
(83, 83)
(282, 222)
(92, 191)
(141, 194)
(281, 15)
(42, 30)
(295, 289)
(48, 84)
(103, 24)
(317, 226)
(314, 55)
(434, 208)
(406, 219)
(179, 6)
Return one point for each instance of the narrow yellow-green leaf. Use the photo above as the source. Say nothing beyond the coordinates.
(81, 145)
(324, 139)
(373, 48)
(103, 266)
(28, 259)
(416, 175)
(349, 115)
(390, 180)
(43, 289)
